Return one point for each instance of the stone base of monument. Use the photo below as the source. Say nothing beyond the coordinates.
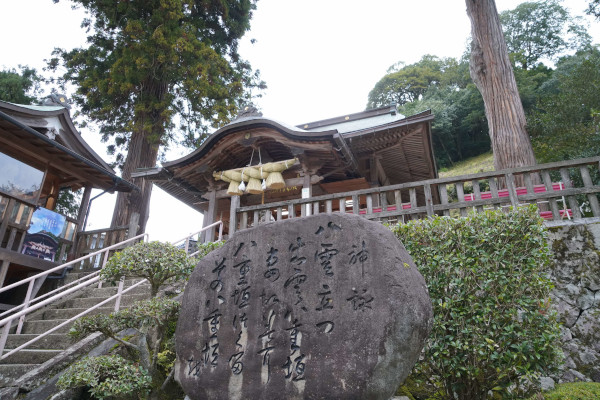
(324, 307)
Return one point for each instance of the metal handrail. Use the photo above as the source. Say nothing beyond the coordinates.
(63, 266)
(35, 339)
(188, 237)
(27, 301)
(36, 299)
(88, 280)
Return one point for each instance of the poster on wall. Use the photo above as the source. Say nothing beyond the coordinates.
(41, 238)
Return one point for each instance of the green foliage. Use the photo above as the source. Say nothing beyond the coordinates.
(444, 86)
(68, 202)
(158, 262)
(594, 9)
(156, 312)
(19, 87)
(531, 83)
(482, 163)
(564, 124)
(493, 325)
(534, 31)
(460, 127)
(408, 83)
(107, 376)
(154, 320)
(205, 248)
(541, 29)
(572, 391)
(150, 60)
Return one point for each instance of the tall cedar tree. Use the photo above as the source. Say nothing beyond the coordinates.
(152, 66)
(493, 75)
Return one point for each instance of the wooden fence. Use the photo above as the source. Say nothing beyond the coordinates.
(91, 241)
(562, 190)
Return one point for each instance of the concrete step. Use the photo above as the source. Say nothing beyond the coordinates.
(87, 302)
(66, 313)
(54, 341)
(41, 326)
(10, 372)
(73, 276)
(112, 290)
(29, 356)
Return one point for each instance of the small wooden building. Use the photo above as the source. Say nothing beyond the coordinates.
(42, 153)
(372, 148)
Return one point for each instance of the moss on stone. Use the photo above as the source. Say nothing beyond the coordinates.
(571, 391)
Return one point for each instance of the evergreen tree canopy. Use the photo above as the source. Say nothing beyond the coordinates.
(594, 8)
(19, 87)
(566, 121)
(541, 29)
(154, 68)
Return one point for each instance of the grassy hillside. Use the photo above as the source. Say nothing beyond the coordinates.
(481, 163)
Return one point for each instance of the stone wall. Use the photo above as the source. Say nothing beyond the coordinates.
(576, 276)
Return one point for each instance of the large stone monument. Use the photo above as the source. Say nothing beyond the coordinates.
(324, 307)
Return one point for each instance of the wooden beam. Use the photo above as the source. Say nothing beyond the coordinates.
(14, 257)
(383, 179)
(346, 151)
(53, 160)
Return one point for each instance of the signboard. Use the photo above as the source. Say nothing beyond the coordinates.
(40, 240)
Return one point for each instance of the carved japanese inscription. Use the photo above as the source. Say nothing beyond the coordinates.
(324, 307)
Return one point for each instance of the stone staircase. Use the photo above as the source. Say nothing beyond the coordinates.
(32, 357)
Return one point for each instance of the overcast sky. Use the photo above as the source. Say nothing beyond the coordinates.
(319, 58)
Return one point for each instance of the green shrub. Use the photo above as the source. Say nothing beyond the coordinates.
(205, 248)
(158, 262)
(572, 391)
(493, 326)
(155, 312)
(151, 349)
(107, 376)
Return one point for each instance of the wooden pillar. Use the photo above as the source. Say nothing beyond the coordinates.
(306, 185)
(134, 223)
(235, 203)
(83, 209)
(373, 178)
(12, 203)
(210, 216)
(52, 196)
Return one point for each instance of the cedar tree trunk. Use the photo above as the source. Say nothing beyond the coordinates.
(142, 152)
(492, 72)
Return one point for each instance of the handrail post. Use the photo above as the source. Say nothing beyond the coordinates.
(26, 302)
(4, 336)
(512, 190)
(220, 231)
(103, 265)
(119, 291)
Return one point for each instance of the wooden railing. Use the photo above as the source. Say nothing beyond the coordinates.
(92, 241)
(566, 189)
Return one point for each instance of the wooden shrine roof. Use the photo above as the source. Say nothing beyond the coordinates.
(45, 135)
(379, 145)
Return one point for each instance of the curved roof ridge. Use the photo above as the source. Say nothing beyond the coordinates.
(247, 123)
(63, 114)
